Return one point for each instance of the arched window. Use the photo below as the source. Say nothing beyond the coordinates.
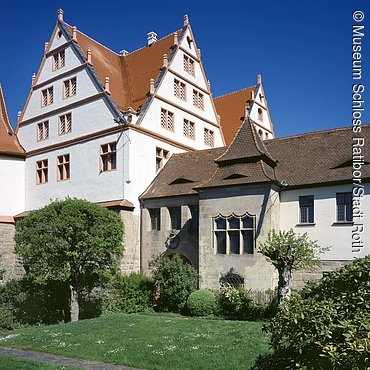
(266, 135)
(260, 133)
(260, 114)
(234, 234)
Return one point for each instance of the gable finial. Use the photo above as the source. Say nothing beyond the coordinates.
(165, 61)
(33, 79)
(60, 14)
(151, 86)
(19, 115)
(259, 79)
(89, 53)
(46, 46)
(74, 33)
(107, 85)
(186, 20)
(175, 38)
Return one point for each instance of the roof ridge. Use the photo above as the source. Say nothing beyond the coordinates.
(143, 47)
(314, 132)
(82, 33)
(233, 92)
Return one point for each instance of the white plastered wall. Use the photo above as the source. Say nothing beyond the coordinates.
(12, 185)
(325, 230)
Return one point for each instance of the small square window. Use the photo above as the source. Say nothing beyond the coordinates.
(162, 156)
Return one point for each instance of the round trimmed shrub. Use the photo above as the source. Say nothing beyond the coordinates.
(201, 303)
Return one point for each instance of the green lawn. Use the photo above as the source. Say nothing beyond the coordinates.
(8, 362)
(151, 341)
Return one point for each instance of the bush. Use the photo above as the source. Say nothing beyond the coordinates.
(201, 303)
(130, 294)
(175, 280)
(235, 303)
(7, 321)
(327, 325)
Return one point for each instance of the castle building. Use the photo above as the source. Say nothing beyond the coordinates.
(140, 133)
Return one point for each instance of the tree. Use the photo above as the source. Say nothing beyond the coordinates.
(288, 251)
(74, 242)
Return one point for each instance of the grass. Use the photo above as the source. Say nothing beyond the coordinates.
(9, 362)
(151, 341)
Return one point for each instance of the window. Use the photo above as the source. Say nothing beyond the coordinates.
(179, 89)
(306, 209)
(42, 171)
(234, 234)
(63, 167)
(155, 219)
(260, 114)
(167, 120)
(175, 215)
(70, 87)
(198, 99)
(108, 157)
(65, 123)
(161, 157)
(189, 65)
(43, 131)
(47, 96)
(194, 210)
(59, 60)
(189, 129)
(344, 207)
(209, 137)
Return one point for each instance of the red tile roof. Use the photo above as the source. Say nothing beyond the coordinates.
(231, 109)
(9, 143)
(129, 75)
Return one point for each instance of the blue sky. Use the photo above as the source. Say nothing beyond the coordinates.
(301, 48)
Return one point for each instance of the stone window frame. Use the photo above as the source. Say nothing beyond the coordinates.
(63, 167)
(167, 120)
(229, 229)
(179, 89)
(70, 87)
(47, 96)
(59, 60)
(209, 137)
(189, 65)
(108, 157)
(42, 171)
(66, 126)
(189, 129)
(198, 99)
(161, 157)
(43, 131)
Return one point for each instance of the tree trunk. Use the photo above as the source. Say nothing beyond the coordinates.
(74, 306)
(284, 289)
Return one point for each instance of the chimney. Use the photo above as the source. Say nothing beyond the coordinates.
(60, 14)
(33, 79)
(151, 86)
(89, 56)
(259, 79)
(175, 38)
(107, 85)
(123, 53)
(74, 33)
(165, 61)
(19, 115)
(152, 38)
(186, 20)
(46, 46)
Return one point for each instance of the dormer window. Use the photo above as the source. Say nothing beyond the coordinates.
(59, 60)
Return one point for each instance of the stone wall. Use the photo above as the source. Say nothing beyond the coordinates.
(131, 255)
(10, 263)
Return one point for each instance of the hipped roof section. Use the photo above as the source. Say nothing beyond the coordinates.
(9, 144)
(129, 74)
